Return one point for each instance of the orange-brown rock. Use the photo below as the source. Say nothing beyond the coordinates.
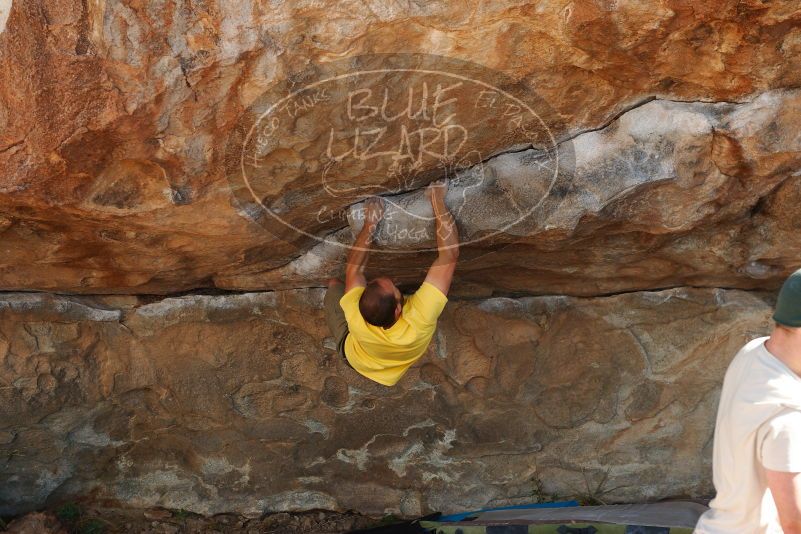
(115, 118)
(669, 194)
(612, 165)
(36, 523)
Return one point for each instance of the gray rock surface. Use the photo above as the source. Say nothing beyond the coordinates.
(220, 403)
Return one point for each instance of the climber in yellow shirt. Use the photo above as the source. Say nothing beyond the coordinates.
(378, 331)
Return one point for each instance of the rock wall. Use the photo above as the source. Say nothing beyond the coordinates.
(115, 117)
(161, 341)
(219, 403)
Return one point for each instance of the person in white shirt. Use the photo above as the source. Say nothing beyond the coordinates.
(757, 448)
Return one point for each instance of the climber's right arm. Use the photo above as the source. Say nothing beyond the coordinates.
(441, 272)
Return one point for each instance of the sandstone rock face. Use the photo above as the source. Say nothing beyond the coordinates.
(670, 193)
(613, 167)
(115, 118)
(214, 403)
(36, 523)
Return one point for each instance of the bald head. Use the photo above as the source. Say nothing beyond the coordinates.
(380, 303)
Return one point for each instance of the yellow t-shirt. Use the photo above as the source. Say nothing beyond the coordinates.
(384, 355)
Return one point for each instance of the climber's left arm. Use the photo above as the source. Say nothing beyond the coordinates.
(357, 257)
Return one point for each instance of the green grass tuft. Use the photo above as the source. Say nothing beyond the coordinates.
(69, 512)
(92, 526)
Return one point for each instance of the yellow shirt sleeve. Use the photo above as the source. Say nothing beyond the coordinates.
(425, 306)
(350, 304)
